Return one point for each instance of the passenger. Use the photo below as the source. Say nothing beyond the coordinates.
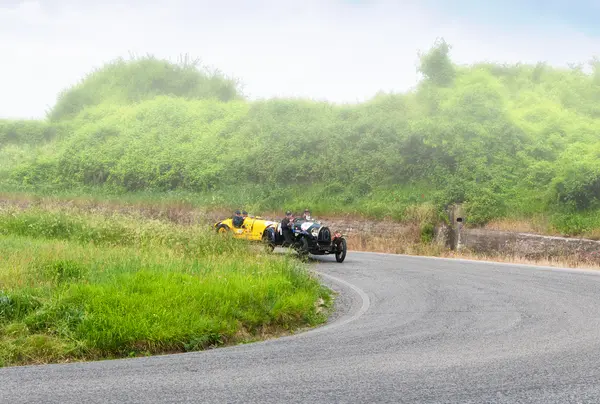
(244, 214)
(306, 215)
(238, 220)
(286, 228)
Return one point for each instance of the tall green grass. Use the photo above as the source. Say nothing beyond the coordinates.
(75, 287)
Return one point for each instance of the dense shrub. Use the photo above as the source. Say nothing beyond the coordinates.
(124, 82)
(25, 132)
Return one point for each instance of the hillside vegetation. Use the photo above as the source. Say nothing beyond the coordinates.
(516, 141)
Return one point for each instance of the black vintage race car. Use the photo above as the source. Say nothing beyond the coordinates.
(310, 237)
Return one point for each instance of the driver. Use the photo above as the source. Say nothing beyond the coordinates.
(286, 228)
(237, 220)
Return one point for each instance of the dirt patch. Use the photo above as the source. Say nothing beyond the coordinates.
(184, 214)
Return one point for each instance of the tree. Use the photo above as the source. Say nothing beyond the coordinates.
(436, 65)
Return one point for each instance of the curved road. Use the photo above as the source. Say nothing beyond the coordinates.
(409, 329)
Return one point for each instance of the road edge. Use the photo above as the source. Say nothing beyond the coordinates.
(588, 271)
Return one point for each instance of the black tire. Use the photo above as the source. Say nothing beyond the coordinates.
(223, 228)
(267, 242)
(302, 248)
(340, 256)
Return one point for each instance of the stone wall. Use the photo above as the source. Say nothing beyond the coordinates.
(363, 227)
(527, 245)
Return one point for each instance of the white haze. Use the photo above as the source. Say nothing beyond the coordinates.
(326, 50)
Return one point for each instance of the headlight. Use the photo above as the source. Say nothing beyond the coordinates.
(314, 232)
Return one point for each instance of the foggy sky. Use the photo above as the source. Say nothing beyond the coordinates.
(342, 51)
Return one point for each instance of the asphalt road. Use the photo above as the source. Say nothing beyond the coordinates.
(409, 329)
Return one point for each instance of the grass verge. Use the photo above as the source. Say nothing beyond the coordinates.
(388, 236)
(86, 287)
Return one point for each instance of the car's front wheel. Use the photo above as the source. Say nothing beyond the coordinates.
(340, 254)
(267, 242)
(302, 247)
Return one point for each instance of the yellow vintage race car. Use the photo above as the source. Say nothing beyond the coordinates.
(253, 228)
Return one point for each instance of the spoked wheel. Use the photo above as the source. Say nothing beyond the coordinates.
(269, 246)
(223, 228)
(340, 254)
(302, 248)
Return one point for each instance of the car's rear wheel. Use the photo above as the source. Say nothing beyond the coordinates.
(223, 228)
(340, 254)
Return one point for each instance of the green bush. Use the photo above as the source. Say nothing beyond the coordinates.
(484, 206)
(124, 82)
(25, 132)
